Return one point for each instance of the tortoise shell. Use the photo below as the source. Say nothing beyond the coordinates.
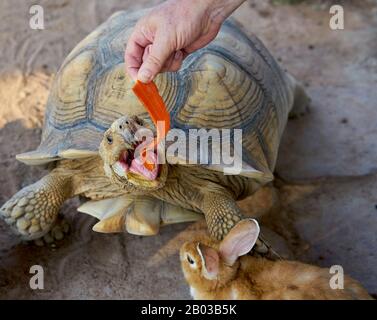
(232, 83)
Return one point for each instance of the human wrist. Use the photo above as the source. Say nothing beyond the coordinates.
(216, 10)
(219, 10)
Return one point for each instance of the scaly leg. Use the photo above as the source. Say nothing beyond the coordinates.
(33, 210)
(222, 214)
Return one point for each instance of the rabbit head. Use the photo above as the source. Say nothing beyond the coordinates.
(208, 265)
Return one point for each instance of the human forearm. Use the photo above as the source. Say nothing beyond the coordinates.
(219, 10)
(169, 32)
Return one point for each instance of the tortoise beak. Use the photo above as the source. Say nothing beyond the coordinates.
(134, 135)
(128, 136)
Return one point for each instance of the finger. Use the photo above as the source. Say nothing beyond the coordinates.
(159, 52)
(146, 53)
(134, 53)
(168, 63)
(184, 54)
(132, 64)
(174, 62)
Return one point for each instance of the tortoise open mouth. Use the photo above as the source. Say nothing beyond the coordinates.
(134, 161)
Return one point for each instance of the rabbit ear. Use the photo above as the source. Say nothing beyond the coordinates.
(210, 261)
(239, 241)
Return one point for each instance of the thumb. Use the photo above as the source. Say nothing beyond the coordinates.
(155, 60)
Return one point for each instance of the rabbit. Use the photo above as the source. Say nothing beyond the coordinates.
(224, 271)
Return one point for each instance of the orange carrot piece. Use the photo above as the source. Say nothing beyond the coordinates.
(148, 94)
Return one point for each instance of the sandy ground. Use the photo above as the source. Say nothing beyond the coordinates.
(323, 208)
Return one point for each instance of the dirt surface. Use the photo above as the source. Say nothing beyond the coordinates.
(322, 210)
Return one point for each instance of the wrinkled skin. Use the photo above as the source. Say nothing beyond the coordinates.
(33, 211)
(192, 187)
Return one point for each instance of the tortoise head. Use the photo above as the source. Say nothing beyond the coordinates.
(127, 160)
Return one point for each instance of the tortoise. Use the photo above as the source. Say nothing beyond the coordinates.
(92, 116)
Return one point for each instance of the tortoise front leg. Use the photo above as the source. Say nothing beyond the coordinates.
(33, 210)
(222, 214)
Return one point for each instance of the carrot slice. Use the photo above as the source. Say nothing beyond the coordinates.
(149, 96)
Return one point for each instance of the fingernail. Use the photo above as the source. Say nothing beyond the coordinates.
(178, 55)
(145, 76)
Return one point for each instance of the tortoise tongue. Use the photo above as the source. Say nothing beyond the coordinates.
(138, 166)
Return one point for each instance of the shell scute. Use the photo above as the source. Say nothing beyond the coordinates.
(233, 83)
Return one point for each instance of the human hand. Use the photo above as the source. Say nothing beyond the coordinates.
(171, 31)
